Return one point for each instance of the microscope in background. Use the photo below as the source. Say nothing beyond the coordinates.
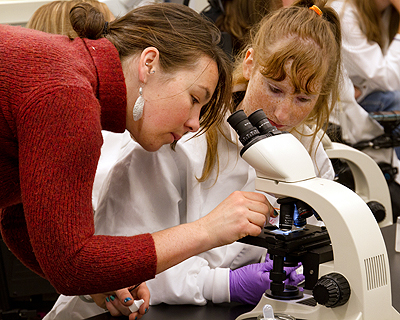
(390, 121)
(364, 177)
(345, 262)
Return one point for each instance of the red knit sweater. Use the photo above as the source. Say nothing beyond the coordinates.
(55, 97)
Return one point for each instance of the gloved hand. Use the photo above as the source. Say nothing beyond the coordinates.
(247, 284)
(292, 277)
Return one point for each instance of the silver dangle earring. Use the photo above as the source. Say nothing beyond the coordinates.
(138, 107)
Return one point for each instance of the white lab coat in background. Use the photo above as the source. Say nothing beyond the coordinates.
(356, 125)
(147, 192)
(370, 68)
(122, 7)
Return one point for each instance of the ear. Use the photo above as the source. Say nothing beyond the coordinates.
(248, 63)
(148, 63)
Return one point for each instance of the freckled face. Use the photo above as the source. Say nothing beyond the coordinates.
(284, 108)
(172, 108)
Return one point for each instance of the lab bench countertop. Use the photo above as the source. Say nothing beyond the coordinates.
(230, 311)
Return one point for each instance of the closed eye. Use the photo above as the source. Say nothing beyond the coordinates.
(303, 99)
(274, 89)
(195, 100)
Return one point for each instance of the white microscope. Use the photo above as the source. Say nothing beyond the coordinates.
(345, 263)
(369, 182)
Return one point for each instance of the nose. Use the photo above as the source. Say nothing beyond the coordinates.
(193, 123)
(283, 110)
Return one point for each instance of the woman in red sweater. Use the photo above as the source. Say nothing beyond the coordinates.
(158, 72)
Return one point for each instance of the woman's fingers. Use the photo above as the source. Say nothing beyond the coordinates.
(241, 214)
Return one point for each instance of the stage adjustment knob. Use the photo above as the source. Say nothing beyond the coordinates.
(332, 290)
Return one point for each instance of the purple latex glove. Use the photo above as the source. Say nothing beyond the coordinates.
(292, 278)
(247, 284)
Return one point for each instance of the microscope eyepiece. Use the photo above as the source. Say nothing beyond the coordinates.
(241, 124)
(261, 122)
(251, 129)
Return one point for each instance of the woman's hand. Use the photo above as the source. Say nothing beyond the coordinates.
(241, 214)
(118, 302)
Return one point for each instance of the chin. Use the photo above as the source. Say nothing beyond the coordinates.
(151, 148)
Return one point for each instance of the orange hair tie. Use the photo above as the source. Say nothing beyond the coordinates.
(316, 9)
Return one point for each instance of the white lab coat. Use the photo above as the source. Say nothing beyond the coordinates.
(356, 125)
(369, 68)
(122, 7)
(147, 192)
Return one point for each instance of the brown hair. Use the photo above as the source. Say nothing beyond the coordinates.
(312, 42)
(238, 18)
(371, 21)
(53, 17)
(240, 15)
(181, 35)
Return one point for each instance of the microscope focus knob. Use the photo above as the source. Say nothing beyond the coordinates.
(332, 290)
(378, 210)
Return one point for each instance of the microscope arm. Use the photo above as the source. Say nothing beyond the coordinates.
(359, 249)
(370, 184)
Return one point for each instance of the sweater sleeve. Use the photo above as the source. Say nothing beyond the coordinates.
(60, 139)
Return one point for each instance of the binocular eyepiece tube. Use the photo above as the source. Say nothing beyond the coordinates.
(253, 128)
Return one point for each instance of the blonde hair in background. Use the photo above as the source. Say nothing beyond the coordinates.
(371, 21)
(53, 17)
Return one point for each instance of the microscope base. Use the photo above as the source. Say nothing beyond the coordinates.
(306, 308)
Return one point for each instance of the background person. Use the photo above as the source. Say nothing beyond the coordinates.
(371, 51)
(53, 17)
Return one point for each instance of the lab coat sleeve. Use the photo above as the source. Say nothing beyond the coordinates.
(197, 284)
(368, 66)
(191, 282)
(323, 164)
(216, 285)
(356, 124)
(203, 277)
(73, 308)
